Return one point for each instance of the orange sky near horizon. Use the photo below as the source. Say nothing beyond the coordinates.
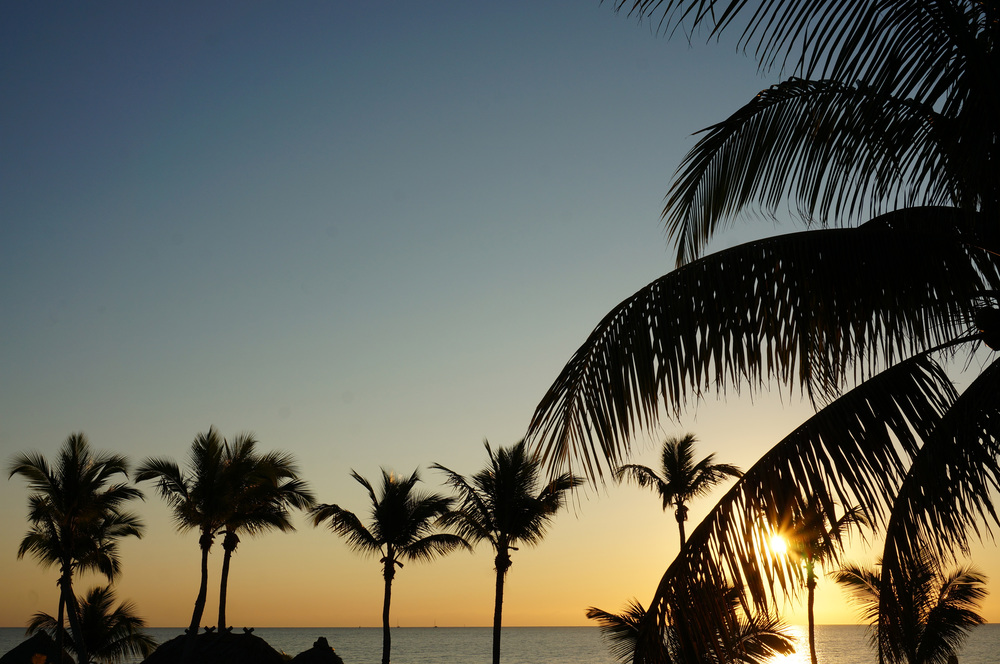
(604, 549)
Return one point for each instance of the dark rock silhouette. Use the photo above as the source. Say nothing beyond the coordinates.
(320, 653)
(39, 649)
(215, 648)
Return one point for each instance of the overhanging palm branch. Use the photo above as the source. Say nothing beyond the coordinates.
(837, 151)
(943, 500)
(945, 497)
(817, 309)
(849, 39)
(848, 453)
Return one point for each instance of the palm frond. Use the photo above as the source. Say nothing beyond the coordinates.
(955, 614)
(816, 309)
(620, 630)
(436, 544)
(945, 497)
(846, 453)
(855, 39)
(838, 151)
(347, 525)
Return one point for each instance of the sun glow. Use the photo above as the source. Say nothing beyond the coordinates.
(779, 546)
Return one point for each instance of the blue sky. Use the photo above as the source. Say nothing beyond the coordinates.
(372, 233)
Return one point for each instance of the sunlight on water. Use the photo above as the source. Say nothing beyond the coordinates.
(801, 654)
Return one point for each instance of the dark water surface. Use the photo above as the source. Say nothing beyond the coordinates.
(836, 644)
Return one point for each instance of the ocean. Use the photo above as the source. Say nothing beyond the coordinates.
(835, 644)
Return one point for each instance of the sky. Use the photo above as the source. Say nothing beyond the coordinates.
(370, 233)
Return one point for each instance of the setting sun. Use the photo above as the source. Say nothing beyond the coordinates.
(778, 545)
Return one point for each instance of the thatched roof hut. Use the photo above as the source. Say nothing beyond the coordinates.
(213, 648)
(39, 649)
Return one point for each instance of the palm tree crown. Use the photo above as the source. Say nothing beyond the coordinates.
(198, 500)
(924, 616)
(261, 489)
(682, 477)
(402, 527)
(77, 516)
(112, 633)
(504, 505)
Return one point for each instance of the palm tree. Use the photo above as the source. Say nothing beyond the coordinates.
(813, 537)
(504, 505)
(753, 640)
(112, 633)
(262, 489)
(199, 500)
(683, 479)
(891, 112)
(401, 527)
(76, 516)
(924, 615)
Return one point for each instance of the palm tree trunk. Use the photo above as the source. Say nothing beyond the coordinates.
(681, 515)
(199, 603)
(73, 609)
(228, 547)
(502, 565)
(205, 542)
(811, 598)
(388, 571)
(61, 622)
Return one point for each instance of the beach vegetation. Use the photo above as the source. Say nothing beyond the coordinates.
(263, 488)
(920, 615)
(76, 516)
(749, 639)
(197, 498)
(681, 478)
(882, 142)
(112, 633)
(506, 504)
(402, 526)
(811, 538)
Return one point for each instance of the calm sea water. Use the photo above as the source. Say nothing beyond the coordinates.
(835, 644)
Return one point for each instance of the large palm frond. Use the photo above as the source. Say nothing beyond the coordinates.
(945, 497)
(848, 453)
(855, 39)
(837, 151)
(817, 309)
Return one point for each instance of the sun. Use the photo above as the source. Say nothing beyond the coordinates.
(779, 546)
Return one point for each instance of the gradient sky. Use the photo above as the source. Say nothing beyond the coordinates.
(371, 233)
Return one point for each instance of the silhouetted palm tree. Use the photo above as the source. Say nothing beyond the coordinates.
(76, 515)
(198, 499)
(504, 505)
(112, 633)
(921, 616)
(749, 640)
(262, 488)
(814, 537)
(401, 527)
(682, 478)
(892, 112)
